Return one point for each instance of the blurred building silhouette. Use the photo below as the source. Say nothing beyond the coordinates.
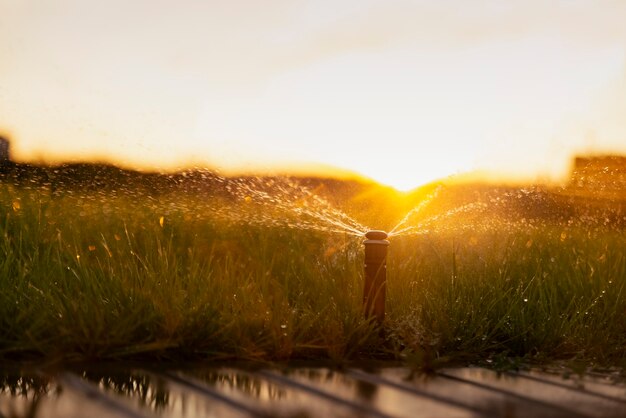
(5, 156)
(600, 174)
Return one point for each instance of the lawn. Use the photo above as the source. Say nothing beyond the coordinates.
(261, 271)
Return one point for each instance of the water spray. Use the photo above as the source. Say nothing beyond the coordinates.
(376, 246)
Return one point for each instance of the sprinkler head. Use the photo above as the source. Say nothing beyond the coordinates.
(376, 235)
(374, 288)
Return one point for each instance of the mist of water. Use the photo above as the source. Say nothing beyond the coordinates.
(283, 202)
(404, 222)
(425, 225)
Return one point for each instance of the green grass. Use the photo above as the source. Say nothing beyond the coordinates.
(121, 275)
(541, 295)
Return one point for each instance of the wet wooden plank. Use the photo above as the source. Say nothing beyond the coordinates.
(422, 398)
(600, 388)
(230, 405)
(561, 400)
(330, 394)
(93, 396)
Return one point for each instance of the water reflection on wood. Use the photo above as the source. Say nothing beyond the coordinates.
(148, 391)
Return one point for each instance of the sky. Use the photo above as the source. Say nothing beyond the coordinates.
(404, 92)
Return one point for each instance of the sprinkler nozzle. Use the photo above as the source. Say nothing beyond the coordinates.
(376, 235)
(375, 274)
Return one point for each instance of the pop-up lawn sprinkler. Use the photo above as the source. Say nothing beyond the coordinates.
(375, 274)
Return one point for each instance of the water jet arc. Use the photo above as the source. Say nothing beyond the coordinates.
(374, 291)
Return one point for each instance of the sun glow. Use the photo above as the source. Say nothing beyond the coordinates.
(377, 89)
